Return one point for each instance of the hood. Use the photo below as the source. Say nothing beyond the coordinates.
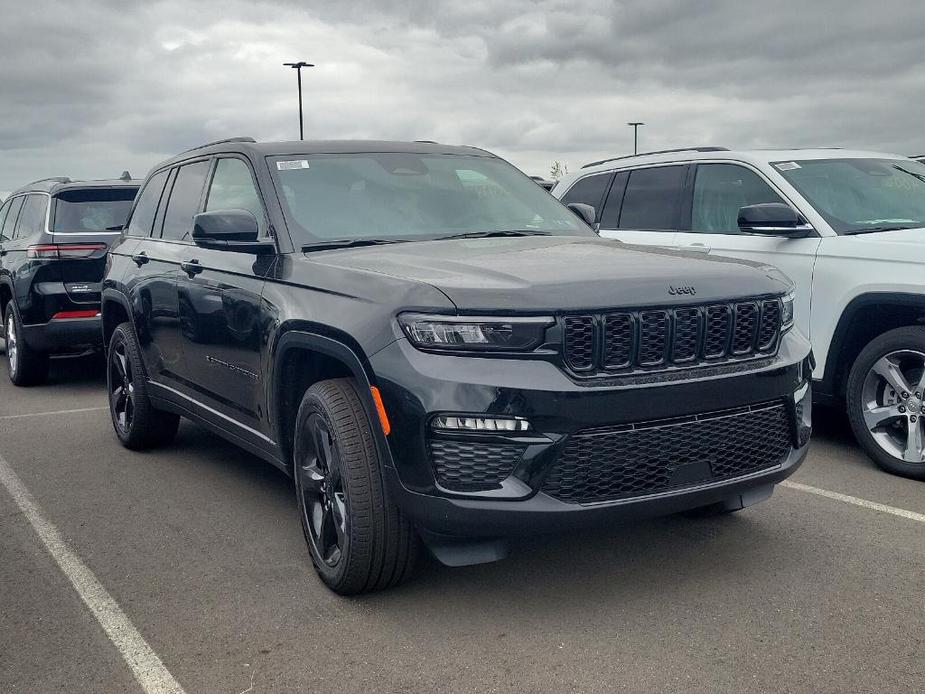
(561, 273)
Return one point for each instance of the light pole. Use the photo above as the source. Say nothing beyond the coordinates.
(298, 68)
(636, 136)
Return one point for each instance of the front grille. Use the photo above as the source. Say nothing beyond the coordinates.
(650, 457)
(653, 339)
(467, 467)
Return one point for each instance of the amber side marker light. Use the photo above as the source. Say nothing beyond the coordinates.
(380, 410)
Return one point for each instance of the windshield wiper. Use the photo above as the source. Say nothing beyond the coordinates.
(346, 243)
(873, 230)
(499, 233)
(919, 176)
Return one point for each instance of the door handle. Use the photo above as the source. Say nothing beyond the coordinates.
(140, 258)
(697, 247)
(191, 268)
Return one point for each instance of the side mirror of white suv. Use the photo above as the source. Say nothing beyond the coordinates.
(773, 219)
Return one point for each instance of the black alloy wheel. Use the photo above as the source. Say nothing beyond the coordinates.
(321, 487)
(136, 421)
(121, 389)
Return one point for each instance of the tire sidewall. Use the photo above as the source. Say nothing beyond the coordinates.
(313, 404)
(912, 338)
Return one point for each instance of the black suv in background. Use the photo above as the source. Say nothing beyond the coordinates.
(435, 348)
(54, 235)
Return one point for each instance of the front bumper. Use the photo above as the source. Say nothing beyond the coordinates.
(416, 385)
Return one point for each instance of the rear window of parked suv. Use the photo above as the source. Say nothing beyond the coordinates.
(92, 209)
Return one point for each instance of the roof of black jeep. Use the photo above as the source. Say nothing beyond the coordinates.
(57, 184)
(249, 145)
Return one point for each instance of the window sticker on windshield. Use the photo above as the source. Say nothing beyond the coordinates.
(787, 166)
(292, 164)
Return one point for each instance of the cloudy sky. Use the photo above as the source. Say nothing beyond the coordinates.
(91, 87)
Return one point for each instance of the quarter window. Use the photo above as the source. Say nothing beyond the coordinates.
(184, 201)
(653, 199)
(143, 217)
(720, 190)
(10, 221)
(32, 218)
(3, 210)
(590, 190)
(233, 188)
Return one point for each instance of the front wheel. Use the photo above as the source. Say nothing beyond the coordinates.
(886, 401)
(358, 538)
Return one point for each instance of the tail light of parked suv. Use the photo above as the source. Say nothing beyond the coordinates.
(64, 250)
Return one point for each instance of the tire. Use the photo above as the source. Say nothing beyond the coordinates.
(137, 423)
(25, 366)
(885, 401)
(358, 539)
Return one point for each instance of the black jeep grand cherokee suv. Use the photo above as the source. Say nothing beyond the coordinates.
(437, 349)
(54, 234)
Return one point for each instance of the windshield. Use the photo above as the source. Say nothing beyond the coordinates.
(412, 197)
(92, 209)
(856, 195)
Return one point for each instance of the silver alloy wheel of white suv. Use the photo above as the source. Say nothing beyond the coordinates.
(892, 404)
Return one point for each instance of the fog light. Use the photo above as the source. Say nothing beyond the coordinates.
(463, 423)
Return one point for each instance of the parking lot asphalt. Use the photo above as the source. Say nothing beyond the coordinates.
(200, 547)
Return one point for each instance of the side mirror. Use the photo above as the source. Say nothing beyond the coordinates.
(585, 213)
(229, 230)
(773, 219)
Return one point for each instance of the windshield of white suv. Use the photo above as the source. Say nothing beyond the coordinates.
(403, 196)
(861, 195)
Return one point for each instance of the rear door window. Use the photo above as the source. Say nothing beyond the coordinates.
(32, 218)
(10, 222)
(184, 201)
(143, 217)
(653, 199)
(90, 210)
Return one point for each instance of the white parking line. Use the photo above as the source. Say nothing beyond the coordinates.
(144, 663)
(54, 412)
(855, 501)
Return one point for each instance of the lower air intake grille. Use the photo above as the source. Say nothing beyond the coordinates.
(651, 457)
(466, 467)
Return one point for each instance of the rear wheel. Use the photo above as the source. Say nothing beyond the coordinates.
(26, 366)
(137, 423)
(358, 538)
(886, 401)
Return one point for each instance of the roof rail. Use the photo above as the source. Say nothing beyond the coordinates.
(50, 179)
(661, 151)
(219, 142)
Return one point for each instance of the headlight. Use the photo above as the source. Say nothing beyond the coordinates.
(465, 333)
(786, 316)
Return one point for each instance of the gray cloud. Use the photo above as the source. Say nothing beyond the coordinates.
(88, 89)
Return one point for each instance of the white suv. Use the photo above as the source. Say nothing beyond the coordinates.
(848, 228)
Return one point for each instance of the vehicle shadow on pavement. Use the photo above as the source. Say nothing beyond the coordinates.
(89, 369)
